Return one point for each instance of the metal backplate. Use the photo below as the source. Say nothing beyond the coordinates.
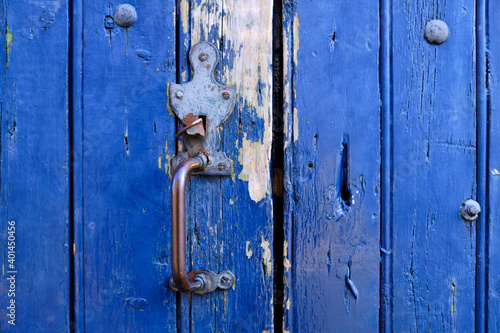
(206, 99)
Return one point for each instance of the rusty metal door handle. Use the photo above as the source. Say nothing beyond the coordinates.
(200, 281)
(202, 105)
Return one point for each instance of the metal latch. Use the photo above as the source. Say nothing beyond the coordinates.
(202, 105)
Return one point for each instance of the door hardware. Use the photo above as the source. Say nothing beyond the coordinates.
(202, 105)
(470, 210)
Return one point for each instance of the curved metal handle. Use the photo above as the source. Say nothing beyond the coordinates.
(200, 281)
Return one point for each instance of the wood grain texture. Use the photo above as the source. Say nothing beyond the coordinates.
(230, 222)
(128, 138)
(434, 129)
(34, 164)
(332, 154)
(492, 210)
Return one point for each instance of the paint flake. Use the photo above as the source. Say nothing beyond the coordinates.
(266, 256)
(248, 251)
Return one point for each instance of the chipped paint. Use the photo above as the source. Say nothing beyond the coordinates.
(255, 160)
(248, 250)
(286, 262)
(266, 256)
(159, 162)
(8, 39)
(495, 172)
(295, 124)
(184, 12)
(168, 164)
(248, 37)
(288, 304)
(296, 39)
(184, 76)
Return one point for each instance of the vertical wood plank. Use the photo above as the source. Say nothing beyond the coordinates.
(231, 224)
(482, 161)
(34, 166)
(128, 140)
(434, 168)
(492, 210)
(332, 168)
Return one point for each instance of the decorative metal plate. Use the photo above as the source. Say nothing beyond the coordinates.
(203, 98)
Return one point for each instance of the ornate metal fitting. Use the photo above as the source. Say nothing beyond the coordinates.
(203, 105)
(209, 281)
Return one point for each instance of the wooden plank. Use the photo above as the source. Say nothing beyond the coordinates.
(332, 168)
(128, 139)
(482, 161)
(434, 129)
(231, 223)
(34, 166)
(492, 210)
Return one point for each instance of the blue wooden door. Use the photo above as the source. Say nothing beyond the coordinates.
(386, 136)
(355, 142)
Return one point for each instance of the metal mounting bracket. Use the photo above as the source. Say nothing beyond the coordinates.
(203, 105)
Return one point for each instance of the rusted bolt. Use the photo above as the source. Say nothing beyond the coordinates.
(436, 32)
(203, 56)
(125, 15)
(226, 95)
(179, 94)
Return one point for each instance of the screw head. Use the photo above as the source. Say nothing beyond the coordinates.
(221, 166)
(203, 56)
(226, 95)
(179, 94)
(125, 15)
(226, 280)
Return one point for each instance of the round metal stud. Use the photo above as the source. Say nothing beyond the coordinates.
(470, 210)
(125, 15)
(179, 94)
(203, 56)
(226, 95)
(436, 32)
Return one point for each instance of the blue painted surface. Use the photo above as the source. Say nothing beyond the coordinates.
(493, 171)
(385, 136)
(226, 228)
(436, 135)
(34, 190)
(334, 170)
(434, 144)
(126, 187)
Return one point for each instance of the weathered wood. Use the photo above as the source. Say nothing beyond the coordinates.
(34, 190)
(332, 168)
(231, 219)
(492, 211)
(434, 129)
(128, 139)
